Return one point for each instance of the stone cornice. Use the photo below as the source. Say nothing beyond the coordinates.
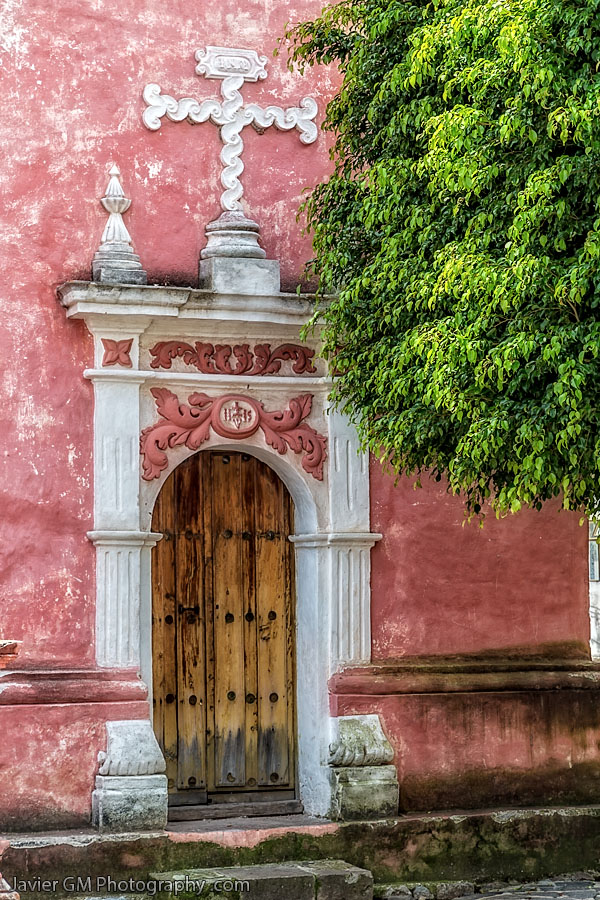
(124, 303)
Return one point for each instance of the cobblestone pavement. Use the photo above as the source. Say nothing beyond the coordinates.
(578, 886)
(582, 886)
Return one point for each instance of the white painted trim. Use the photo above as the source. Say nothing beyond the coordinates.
(332, 518)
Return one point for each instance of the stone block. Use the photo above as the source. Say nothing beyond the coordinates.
(338, 880)
(322, 880)
(392, 892)
(130, 803)
(364, 792)
(105, 273)
(268, 882)
(230, 275)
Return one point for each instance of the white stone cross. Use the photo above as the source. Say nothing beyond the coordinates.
(234, 67)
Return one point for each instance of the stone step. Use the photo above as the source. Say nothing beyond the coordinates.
(328, 879)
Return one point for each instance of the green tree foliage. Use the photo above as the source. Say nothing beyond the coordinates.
(460, 232)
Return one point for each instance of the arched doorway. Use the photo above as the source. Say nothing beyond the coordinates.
(223, 635)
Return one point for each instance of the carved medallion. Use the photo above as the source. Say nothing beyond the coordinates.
(231, 416)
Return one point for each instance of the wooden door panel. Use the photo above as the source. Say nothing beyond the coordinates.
(191, 626)
(248, 487)
(164, 629)
(228, 605)
(223, 627)
(273, 621)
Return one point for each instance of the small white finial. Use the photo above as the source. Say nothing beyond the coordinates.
(115, 261)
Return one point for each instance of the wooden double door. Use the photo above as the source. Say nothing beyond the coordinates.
(223, 631)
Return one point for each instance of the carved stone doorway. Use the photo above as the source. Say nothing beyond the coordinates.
(223, 636)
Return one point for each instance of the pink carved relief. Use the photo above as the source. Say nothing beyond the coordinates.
(117, 352)
(231, 416)
(216, 359)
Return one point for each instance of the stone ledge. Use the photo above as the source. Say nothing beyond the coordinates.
(454, 676)
(50, 686)
(480, 846)
(329, 879)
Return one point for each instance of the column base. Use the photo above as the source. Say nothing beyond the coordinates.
(124, 803)
(364, 792)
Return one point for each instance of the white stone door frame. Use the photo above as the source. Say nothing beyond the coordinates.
(332, 520)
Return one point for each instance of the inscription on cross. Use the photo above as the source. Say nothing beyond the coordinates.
(233, 67)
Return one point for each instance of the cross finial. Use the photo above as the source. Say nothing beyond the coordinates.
(115, 261)
(233, 67)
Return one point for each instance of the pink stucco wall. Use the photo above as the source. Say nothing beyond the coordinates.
(72, 77)
(48, 760)
(517, 586)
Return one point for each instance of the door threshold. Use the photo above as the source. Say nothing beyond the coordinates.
(234, 810)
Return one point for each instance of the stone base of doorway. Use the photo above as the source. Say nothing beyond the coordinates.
(480, 847)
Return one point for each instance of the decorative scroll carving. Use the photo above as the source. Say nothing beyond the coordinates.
(234, 67)
(117, 352)
(216, 360)
(232, 416)
(132, 750)
(360, 742)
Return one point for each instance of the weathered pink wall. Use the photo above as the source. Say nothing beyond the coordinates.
(516, 586)
(490, 748)
(49, 760)
(72, 77)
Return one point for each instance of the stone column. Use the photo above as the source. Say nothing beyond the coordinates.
(131, 788)
(120, 545)
(350, 542)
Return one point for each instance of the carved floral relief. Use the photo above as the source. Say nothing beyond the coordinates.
(223, 359)
(116, 353)
(231, 416)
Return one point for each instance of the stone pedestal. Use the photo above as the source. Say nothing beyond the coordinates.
(124, 803)
(131, 789)
(233, 262)
(224, 275)
(364, 792)
(363, 783)
(116, 263)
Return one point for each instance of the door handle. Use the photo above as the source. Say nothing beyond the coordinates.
(192, 609)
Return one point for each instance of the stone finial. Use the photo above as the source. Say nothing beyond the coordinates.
(115, 261)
